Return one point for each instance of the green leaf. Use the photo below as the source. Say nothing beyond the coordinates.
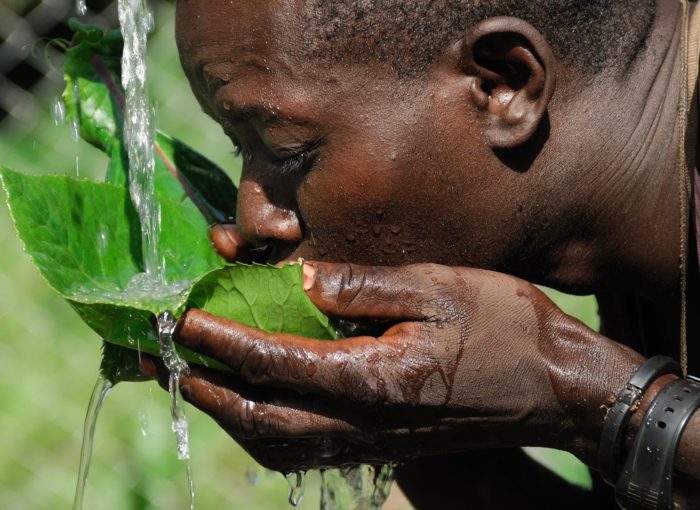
(85, 239)
(266, 297)
(94, 100)
(93, 95)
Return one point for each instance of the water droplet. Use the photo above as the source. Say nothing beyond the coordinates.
(81, 7)
(296, 487)
(58, 111)
(77, 166)
(252, 474)
(396, 229)
(74, 130)
(102, 240)
(648, 449)
(143, 423)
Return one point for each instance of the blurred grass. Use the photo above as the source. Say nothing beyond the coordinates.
(50, 359)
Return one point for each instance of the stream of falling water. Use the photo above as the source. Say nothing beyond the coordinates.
(99, 393)
(176, 367)
(136, 21)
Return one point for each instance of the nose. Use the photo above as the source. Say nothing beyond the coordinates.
(264, 218)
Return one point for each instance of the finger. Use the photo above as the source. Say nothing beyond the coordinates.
(153, 367)
(229, 242)
(374, 292)
(361, 369)
(246, 412)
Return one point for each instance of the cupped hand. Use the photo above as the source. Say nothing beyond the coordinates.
(468, 359)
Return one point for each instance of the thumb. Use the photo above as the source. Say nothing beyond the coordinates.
(369, 292)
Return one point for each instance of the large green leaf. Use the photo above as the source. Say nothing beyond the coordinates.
(94, 101)
(84, 237)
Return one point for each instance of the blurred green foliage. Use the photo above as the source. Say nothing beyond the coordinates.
(50, 359)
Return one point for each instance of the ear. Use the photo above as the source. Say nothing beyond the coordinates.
(512, 70)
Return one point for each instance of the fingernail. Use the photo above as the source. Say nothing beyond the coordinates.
(147, 367)
(309, 276)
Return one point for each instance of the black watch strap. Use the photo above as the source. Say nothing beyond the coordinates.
(646, 481)
(619, 415)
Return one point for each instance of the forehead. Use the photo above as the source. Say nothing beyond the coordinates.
(211, 32)
(241, 53)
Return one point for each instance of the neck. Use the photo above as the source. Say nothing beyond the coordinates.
(632, 209)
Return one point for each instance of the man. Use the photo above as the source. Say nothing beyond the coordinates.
(534, 139)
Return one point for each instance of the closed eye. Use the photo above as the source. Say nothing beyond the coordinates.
(294, 164)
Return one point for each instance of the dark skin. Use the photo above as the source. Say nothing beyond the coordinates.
(429, 206)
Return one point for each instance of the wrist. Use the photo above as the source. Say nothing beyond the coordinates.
(588, 371)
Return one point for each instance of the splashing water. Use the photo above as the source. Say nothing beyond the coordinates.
(80, 7)
(97, 398)
(296, 487)
(356, 487)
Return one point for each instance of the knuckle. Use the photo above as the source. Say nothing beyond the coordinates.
(256, 364)
(352, 283)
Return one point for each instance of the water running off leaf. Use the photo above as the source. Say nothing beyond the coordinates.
(99, 393)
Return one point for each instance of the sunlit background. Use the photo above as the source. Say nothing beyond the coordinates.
(49, 359)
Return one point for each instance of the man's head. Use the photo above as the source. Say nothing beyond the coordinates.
(393, 131)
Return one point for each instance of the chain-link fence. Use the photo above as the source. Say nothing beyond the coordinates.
(30, 35)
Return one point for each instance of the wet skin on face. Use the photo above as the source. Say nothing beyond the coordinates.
(351, 163)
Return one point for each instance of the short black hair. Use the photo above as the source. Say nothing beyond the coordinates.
(592, 35)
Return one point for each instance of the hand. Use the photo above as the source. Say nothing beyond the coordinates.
(469, 359)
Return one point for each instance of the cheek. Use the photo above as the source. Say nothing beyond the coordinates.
(371, 212)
